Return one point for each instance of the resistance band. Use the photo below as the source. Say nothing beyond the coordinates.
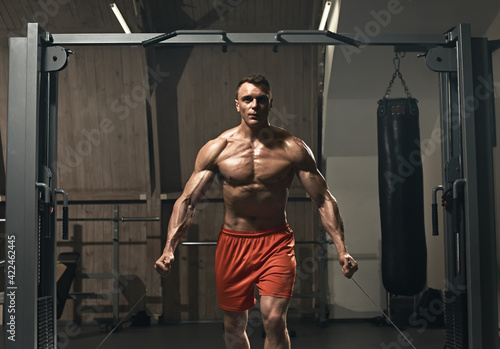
(392, 323)
(125, 317)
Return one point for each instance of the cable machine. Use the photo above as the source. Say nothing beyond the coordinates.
(468, 133)
(466, 117)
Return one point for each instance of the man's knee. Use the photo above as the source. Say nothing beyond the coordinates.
(235, 324)
(274, 309)
(234, 330)
(274, 320)
(234, 327)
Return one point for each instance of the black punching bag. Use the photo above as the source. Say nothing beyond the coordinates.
(404, 252)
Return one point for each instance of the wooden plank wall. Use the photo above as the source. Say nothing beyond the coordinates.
(204, 98)
(104, 159)
(102, 123)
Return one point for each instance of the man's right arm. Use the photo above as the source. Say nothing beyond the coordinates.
(185, 206)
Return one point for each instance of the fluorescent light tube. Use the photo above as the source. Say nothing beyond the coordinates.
(120, 18)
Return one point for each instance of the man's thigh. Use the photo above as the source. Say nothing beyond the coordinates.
(274, 306)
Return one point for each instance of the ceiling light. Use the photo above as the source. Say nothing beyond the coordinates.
(120, 18)
(326, 14)
(330, 17)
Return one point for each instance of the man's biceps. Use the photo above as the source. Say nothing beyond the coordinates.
(315, 186)
(207, 184)
(205, 181)
(196, 182)
(310, 177)
(303, 173)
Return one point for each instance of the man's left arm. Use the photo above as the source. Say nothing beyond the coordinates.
(315, 185)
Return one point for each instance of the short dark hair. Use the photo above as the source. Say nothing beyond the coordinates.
(255, 79)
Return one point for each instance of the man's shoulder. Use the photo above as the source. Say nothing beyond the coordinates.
(297, 148)
(285, 136)
(291, 142)
(209, 153)
(213, 147)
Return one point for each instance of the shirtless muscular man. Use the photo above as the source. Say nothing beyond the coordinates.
(255, 246)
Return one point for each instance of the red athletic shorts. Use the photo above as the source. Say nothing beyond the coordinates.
(247, 258)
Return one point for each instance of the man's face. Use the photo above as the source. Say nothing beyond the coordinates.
(253, 104)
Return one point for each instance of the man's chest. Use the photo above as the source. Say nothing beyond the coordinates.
(242, 164)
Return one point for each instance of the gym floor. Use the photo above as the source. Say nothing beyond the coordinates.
(306, 334)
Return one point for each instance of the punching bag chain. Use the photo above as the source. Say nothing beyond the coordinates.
(397, 61)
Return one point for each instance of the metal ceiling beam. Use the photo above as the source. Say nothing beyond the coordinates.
(187, 37)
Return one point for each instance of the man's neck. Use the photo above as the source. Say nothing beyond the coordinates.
(256, 133)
